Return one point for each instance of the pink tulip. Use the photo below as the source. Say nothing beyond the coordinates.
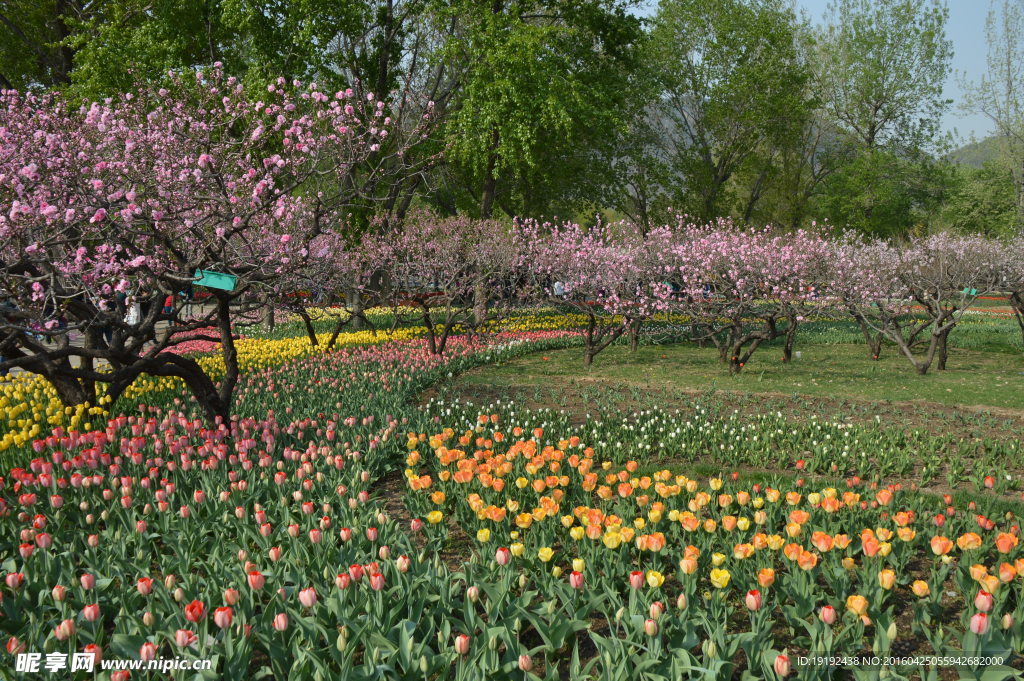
(43, 540)
(355, 572)
(376, 581)
(753, 600)
(416, 524)
(91, 613)
(25, 550)
(14, 580)
(280, 621)
(87, 581)
(782, 666)
(231, 596)
(64, 630)
(979, 624)
(576, 579)
(650, 627)
(307, 597)
(462, 644)
(345, 534)
(58, 593)
(525, 663)
(148, 651)
(827, 615)
(403, 563)
(274, 553)
(184, 638)
(502, 556)
(222, 617)
(371, 533)
(983, 601)
(636, 579)
(256, 580)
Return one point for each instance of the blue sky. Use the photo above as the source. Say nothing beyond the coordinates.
(966, 28)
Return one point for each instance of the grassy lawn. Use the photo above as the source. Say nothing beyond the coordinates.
(974, 378)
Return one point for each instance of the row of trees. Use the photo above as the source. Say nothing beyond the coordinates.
(564, 107)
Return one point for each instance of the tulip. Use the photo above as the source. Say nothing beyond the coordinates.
(14, 580)
(256, 580)
(886, 579)
(473, 594)
(183, 638)
(195, 611)
(402, 563)
(222, 617)
(95, 651)
(274, 554)
(307, 597)
(753, 600)
(983, 601)
(650, 627)
(462, 644)
(371, 533)
(781, 665)
(343, 580)
(58, 593)
(355, 572)
(148, 619)
(87, 581)
(576, 579)
(681, 601)
(979, 624)
(147, 651)
(64, 630)
(1007, 621)
(144, 585)
(280, 621)
(525, 663)
(91, 613)
(656, 610)
(720, 578)
(920, 588)
(502, 556)
(636, 579)
(376, 581)
(231, 596)
(655, 579)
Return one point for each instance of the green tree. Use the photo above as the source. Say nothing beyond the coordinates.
(983, 200)
(35, 50)
(881, 69)
(733, 92)
(1000, 93)
(547, 82)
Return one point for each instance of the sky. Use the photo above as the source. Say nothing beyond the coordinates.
(966, 28)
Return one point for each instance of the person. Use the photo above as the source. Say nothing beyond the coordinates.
(559, 290)
(168, 305)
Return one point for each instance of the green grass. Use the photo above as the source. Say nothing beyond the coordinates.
(974, 378)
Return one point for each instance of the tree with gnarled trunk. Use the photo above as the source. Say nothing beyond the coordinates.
(610, 274)
(921, 289)
(107, 209)
(744, 288)
(430, 270)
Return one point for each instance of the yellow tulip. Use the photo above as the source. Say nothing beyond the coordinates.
(720, 578)
(545, 553)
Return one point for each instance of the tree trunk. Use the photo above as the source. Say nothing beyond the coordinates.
(480, 303)
(490, 181)
(230, 356)
(269, 318)
(943, 344)
(307, 322)
(354, 301)
(787, 348)
(634, 335)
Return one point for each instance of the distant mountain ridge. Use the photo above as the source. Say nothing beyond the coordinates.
(976, 154)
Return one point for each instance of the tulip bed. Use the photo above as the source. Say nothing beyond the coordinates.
(518, 544)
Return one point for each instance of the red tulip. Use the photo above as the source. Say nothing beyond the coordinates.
(343, 581)
(195, 611)
(26, 550)
(355, 572)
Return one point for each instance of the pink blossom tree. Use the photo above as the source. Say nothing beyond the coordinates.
(107, 209)
(915, 295)
(610, 274)
(1013, 279)
(743, 288)
(431, 269)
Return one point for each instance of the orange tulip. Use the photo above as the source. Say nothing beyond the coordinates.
(941, 545)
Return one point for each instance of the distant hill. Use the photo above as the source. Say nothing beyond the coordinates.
(976, 153)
